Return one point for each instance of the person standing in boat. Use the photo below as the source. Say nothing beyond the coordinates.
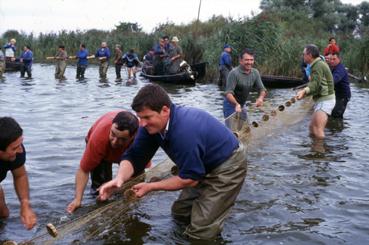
(240, 82)
(118, 62)
(10, 49)
(321, 87)
(175, 56)
(160, 54)
(211, 161)
(108, 138)
(103, 54)
(13, 158)
(26, 59)
(225, 65)
(82, 63)
(61, 62)
(341, 85)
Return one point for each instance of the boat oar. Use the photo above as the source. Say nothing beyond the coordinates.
(300, 86)
(363, 79)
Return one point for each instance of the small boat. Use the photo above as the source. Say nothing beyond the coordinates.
(12, 65)
(187, 76)
(272, 81)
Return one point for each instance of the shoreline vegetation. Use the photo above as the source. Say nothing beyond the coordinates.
(278, 35)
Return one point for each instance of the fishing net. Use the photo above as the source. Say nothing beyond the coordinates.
(98, 223)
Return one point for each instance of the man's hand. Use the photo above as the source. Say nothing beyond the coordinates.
(259, 102)
(300, 94)
(238, 108)
(28, 217)
(141, 189)
(107, 189)
(73, 206)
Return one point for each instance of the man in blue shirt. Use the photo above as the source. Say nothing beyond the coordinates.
(210, 159)
(82, 61)
(341, 85)
(225, 65)
(26, 59)
(12, 158)
(103, 54)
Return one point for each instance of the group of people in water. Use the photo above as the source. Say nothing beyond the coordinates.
(210, 158)
(326, 81)
(164, 58)
(103, 54)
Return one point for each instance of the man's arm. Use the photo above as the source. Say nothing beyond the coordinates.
(125, 172)
(21, 186)
(171, 184)
(233, 101)
(81, 182)
(260, 99)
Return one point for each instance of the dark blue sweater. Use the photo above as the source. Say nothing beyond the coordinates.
(6, 166)
(195, 141)
(341, 82)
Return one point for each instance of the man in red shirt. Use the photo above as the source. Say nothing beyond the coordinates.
(106, 140)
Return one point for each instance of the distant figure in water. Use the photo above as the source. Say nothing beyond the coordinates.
(61, 62)
(131, 60)
(103, 55)
(13, 158)
(82, 62)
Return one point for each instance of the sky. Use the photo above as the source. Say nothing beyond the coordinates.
(55, 15)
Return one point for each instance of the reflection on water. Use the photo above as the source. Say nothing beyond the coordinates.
(297, 191)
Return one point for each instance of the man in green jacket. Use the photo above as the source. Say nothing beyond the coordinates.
(321, 87)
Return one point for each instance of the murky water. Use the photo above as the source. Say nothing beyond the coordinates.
(296, 192)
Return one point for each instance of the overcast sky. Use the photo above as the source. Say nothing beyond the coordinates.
(55, 15)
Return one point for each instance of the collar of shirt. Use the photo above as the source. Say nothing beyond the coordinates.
(166, 130)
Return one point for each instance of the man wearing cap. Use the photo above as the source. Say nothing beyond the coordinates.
(225, 65)
(61, 62)
(175, 56)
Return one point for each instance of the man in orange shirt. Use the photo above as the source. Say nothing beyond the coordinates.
(106, 140)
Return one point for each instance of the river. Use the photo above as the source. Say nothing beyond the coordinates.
(295, 191)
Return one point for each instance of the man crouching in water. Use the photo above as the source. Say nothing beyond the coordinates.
(210, 159)
(12, 158)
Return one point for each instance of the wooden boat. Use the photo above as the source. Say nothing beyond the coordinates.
(190, 76)
(12, 65)
(272, 81)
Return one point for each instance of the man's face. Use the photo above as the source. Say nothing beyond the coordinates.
(332, 41)
(334, 60)
(11, 151)
(307, 57)
(119, 139)
(153, 121)
(247, 61)
(228, 50)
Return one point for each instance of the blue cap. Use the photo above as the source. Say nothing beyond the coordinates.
(227, 46)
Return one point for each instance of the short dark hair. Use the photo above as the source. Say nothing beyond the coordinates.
(336, 54)
(153, 97)
(331, 38)
(313, 50)
(125, 120)
(10, 132)
(247, 51)
(83, 45)
(62, 46)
